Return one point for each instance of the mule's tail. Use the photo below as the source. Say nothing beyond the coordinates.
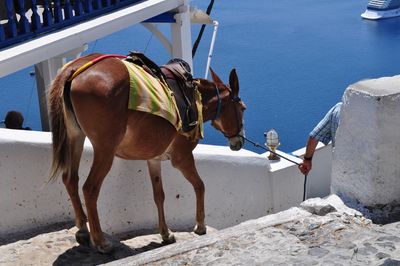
(60, 109)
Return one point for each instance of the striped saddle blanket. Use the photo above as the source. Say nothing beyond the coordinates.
(151, 95)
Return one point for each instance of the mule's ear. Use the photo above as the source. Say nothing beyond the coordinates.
(234, 82)
(215, 77)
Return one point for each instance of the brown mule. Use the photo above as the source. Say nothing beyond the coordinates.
(95, 106)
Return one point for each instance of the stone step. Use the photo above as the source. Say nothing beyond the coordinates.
(60, 248)
(319, 232)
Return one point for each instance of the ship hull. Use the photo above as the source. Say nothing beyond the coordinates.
(380, 14)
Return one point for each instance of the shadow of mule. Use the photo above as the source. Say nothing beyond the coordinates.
(83, 255)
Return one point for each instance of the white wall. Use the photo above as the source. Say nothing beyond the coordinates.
(239, 186)
(366, 160)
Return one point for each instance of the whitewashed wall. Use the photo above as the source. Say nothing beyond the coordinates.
(239, 186)
(366, 163)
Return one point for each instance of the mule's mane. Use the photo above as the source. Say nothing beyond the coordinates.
(209, 97)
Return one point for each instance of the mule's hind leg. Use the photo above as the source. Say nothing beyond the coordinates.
(71, 181)
(102, 162)
(159, 197)
(185, 163)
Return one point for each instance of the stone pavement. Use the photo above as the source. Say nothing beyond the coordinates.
(319, 232)
(61, 248)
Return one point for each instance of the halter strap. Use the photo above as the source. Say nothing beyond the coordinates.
(219, 103)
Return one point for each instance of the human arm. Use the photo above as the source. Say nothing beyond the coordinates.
(324, 132)
(306, 165)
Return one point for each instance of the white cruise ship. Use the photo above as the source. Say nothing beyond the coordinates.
(380, 9)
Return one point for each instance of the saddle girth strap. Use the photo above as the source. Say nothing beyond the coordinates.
(181, 83)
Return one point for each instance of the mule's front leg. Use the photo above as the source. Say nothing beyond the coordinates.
(159, 197)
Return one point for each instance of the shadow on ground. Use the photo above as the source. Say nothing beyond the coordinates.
(60, 247)
(81, 255)
(127, 244)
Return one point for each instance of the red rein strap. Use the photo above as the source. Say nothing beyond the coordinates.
(90, 63)
(94, 61)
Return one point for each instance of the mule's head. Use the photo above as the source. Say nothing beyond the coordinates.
(229, 118)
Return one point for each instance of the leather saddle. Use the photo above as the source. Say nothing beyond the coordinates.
(178, 77)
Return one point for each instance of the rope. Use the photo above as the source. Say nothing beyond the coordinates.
(196, 43)
(287, 159)
(258, 145)
(305, 187)
(219, 103)
(148, 42)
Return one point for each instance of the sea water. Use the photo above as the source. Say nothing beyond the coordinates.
(294, 60)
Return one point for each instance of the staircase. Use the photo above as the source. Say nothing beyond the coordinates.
(319, 232)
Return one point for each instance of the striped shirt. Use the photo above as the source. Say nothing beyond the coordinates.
(326, 129)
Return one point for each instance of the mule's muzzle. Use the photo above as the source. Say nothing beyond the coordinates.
(236, 143)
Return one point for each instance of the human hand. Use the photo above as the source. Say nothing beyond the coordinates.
(305, 167)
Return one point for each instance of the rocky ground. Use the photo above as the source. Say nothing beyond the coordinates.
(319, 232)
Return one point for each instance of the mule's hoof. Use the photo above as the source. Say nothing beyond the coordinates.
(83, 237)
(105, 248)
(168, 239)
(200, 229)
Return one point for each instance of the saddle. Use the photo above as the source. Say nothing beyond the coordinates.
(177, 75)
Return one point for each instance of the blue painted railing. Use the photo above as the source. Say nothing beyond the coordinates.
(53, 15)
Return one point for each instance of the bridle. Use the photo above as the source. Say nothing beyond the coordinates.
(235, 100)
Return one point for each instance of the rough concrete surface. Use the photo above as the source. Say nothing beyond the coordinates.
(319, 232)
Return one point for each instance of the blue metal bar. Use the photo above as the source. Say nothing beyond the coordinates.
(78, 8)
(96, 4)
(68, 10)
(12, 19)
(24, 26)
(88, 6)
(106, 3)
(35, 18)
(58, 17)
(47, 16)
(2, 33)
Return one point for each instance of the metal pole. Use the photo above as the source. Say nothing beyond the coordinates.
(214, 36)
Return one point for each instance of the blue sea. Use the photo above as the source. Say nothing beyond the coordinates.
(294, 60)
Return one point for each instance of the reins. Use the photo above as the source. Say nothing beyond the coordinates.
(236, 99)
(281, 156)
(219, 101)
